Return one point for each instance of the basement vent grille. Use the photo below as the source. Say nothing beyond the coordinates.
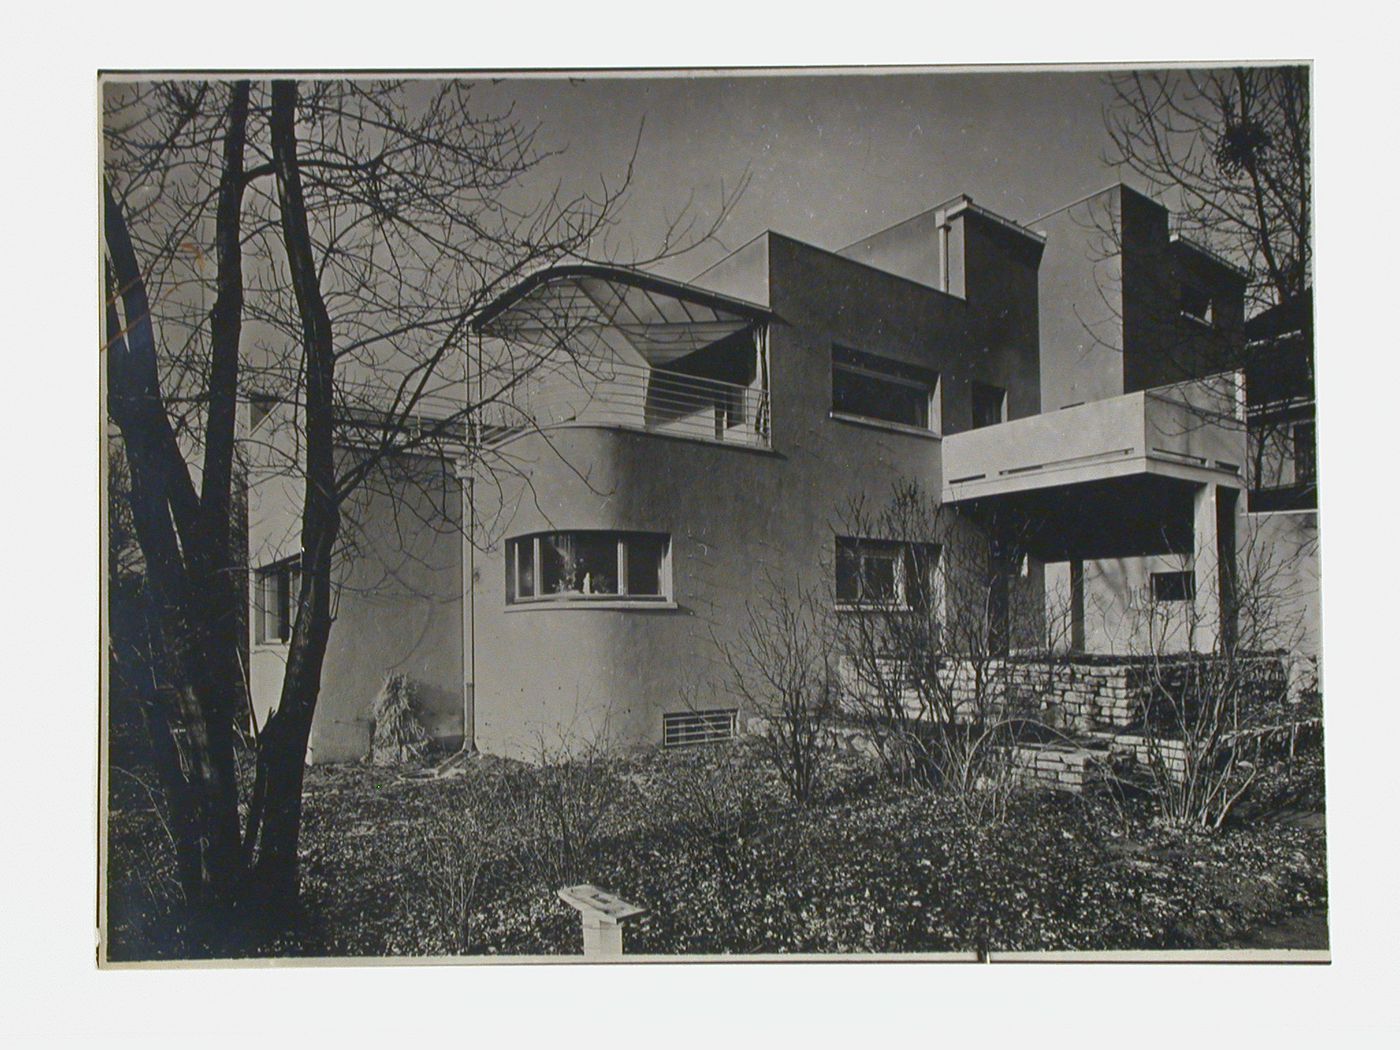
(699, 727)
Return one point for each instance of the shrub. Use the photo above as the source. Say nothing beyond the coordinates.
(399, 736)
(714, 791)
(780, 667)
(451, 851)
(927, 679)
(559, 806)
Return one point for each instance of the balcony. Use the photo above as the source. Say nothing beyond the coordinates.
(633, 397)
(1190, 431)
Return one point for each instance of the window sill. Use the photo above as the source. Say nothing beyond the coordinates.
(1199, 322)
(884, 424)
(870, 607)
(590, 603)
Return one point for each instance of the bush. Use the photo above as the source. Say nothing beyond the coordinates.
(780, 668)
(399, 736)
(714, 792)
(450, 854)
(559, 806)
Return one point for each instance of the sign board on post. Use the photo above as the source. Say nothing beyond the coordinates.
(603, 915)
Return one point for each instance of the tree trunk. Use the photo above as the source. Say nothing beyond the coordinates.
(185, 539)
(282, 748)
(164, 512)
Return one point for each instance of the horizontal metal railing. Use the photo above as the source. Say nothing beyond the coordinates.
(635, 397)
(604, 393)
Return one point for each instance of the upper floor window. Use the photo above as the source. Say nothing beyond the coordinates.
(884, 573)
(1197, 304)
(260, 406)
(1305, 453)
(584, 565)
(988, 405)
(877, 388)
(275, 590)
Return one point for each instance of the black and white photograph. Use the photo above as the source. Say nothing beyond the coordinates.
(734, 526)
(678, 514)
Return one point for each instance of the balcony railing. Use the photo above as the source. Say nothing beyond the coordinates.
(635, 398)
(1192, 426)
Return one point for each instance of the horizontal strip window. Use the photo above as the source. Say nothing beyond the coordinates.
(877, 388)
(589, 565)
(689, 728)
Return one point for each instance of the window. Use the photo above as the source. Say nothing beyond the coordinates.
(1196, 303)
(1173, 586)
(1305, 453)
(884, 573)
(275, 590)
(876, 388)
(260, 406)
(988, 405)
(584, 565)
(699, 727)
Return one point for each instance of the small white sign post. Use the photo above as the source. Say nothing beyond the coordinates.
(603, 914)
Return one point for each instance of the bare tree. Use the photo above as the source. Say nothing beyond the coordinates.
(935, 615)
(780, 666)
(1231, 151)
(1207, 714)
(357, 228)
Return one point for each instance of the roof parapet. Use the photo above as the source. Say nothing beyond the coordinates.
(963, 203)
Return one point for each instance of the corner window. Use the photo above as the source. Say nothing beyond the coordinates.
(988, 405)
(877, 388)
(1173, 586)
(588, 565)
(884, 573)
(1197, 304)
(275, 589)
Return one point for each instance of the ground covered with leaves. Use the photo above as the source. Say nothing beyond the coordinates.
(395, 863)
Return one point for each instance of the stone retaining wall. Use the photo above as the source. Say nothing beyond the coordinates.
(1084, 694)
(1061, 767)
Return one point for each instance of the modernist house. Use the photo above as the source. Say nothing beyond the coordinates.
(675, 445)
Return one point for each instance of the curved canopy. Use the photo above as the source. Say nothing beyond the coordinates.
(659, 320)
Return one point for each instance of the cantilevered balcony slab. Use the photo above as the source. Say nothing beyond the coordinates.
(1189, 432)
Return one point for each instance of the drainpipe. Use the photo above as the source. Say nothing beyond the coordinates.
(468, 526)
(943, 232)
(468, 608)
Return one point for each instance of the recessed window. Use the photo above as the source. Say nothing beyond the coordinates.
(1305, 453)
(588, 565)
(275, 589)
(699, 727)
(988, 405)
(1197, 304)
(877, 388)
(260, 406)
(884, 573)
(1173, 586)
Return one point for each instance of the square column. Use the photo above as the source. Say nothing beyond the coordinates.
(1064, 606)
(1213, 510)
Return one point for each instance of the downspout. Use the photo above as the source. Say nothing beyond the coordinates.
(943, 232)
(468, 608)
(468, 525)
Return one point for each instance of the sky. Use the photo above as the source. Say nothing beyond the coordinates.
(830, 158)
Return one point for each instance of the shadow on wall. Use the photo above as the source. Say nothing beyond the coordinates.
(1116, 592)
